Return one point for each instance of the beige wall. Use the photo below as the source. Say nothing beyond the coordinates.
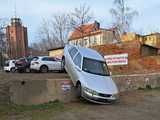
(131, 37)
(56, 53)
(94, 40)
(152, 40)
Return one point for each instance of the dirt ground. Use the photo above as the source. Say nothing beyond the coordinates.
(135, 105)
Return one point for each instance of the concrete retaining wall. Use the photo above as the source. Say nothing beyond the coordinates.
(132, 82)
(4, 93)
(43, 91)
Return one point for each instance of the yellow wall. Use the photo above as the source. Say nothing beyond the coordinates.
(152, 40)
(99, 39)
(56, 53)
(131, 37)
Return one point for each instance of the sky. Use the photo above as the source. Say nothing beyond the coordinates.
(32, 12)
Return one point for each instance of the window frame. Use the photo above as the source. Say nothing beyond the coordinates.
(70, 50)
(78, 53)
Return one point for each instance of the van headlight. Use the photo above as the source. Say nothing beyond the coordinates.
(115, 96)
(89, 91)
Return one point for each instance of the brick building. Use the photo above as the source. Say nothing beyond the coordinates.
(89, 35)
(17, 39)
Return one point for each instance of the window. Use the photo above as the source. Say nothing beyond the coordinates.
(34, 59)
(72, 52)
(45, 59)
(52, 59)
(95, 67)
(77, 60)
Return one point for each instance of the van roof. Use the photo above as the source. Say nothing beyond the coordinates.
(89, 53)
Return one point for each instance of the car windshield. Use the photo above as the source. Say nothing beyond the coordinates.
(95, 67)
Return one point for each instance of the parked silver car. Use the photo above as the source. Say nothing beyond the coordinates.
(89, 73)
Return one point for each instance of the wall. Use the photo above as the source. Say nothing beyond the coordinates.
(4, 93)
(56, 53)
(133, 82)
(148, 51)
(42, 91)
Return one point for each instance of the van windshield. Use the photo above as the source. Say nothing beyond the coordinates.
(95, 67)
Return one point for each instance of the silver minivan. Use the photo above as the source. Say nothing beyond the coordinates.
(89, 73)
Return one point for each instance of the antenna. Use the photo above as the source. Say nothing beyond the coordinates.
(15, 9)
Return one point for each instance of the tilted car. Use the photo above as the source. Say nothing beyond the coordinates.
(45, 64)
(89, 73)
(9, 66)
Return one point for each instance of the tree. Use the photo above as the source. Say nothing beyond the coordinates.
(53, 32)
(44, 35)
(3, 41)
(122, 15)
(79, 17)
(60, 25)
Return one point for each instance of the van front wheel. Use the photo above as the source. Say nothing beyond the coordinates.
(79, 90)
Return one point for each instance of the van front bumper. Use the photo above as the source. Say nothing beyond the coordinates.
(99, 99)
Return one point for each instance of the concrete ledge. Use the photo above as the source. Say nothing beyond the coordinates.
(133, 82)
(41, 91)
(28, 92)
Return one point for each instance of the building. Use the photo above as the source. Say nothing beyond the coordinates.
(152, 39)
(17, 39)
(56, 52)
(91, 35)
(130, 36)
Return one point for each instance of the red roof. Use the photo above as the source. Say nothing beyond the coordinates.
(84, 30)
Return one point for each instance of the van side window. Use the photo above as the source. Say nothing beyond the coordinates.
(77, 60)
(72, 52)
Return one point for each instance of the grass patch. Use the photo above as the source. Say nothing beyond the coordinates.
(21, 108)
(33, 112)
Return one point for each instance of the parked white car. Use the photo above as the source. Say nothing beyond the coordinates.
(45, 64)
(89, 73)
(9, 66)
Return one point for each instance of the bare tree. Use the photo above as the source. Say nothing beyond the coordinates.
(79, 17)
(3, 41)
(44, 35)
(122, 15)
(53, 32)
(60, 25)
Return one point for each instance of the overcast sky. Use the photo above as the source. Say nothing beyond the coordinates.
(32, 11)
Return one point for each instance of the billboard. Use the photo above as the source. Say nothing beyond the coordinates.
(117, 59)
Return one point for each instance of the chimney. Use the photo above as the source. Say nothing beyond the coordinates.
(97, 24)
